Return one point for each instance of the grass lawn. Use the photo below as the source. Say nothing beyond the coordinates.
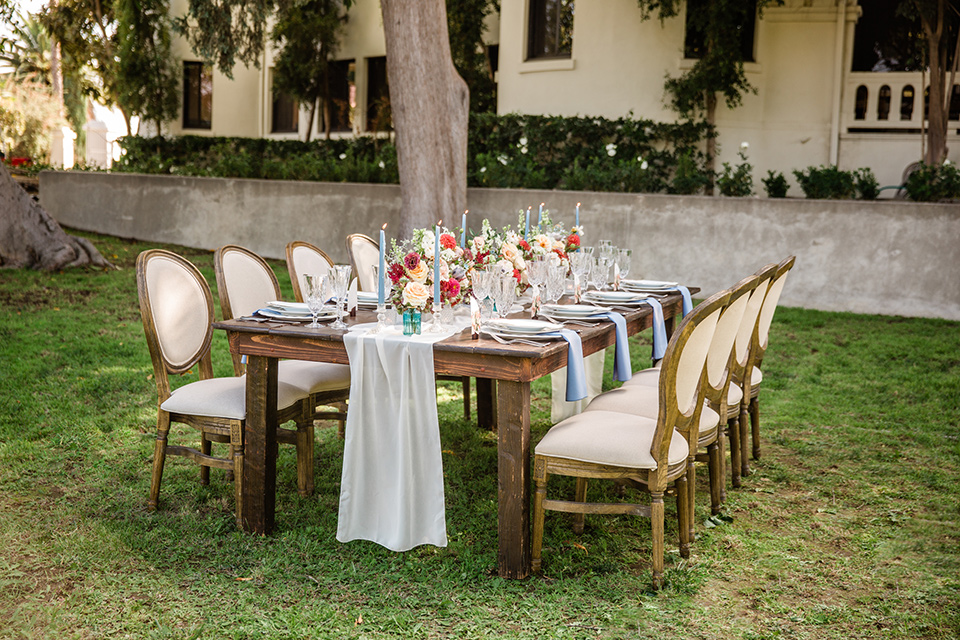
(848, 527)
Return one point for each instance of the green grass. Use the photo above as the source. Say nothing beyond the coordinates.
(847, 529)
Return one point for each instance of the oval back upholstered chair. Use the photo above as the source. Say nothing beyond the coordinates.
(177, 312)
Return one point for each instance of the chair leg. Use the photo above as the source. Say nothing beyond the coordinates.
(341, 424)
(683, 514)
(691, 493)
(716, 474)
(733, 427)
(744, 442)
(722, 462)
(466, 397)
(580, 495)
(205, 448)
(236, 446)
(755, 426)
(656, 531)
(159, 457)
(305, 458)
(540, 494)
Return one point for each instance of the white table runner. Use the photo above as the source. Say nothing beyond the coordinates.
(391, 489)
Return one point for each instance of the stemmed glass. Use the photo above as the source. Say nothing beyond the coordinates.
(316, 289)
(537, 276)
(623, 262)
(599, 273)
(482, 289)
(341, 281)
(556, 280)
(505, 292)
(580, 263)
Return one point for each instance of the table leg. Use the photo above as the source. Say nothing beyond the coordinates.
(260, 446)
(486, 403)
(513, 422)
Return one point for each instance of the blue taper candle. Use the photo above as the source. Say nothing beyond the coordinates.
(436, 265)
(382, 271)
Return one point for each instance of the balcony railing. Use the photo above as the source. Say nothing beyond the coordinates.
(890, 103)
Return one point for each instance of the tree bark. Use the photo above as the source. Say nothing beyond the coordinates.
(938, 100)
(711, 161)
(30, 238)
(430, 104)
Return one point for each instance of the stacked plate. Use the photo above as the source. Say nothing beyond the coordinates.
(652, 286)
(367, 300)
(618, 298)
(522, 328)
(582, 312)
(293, 311)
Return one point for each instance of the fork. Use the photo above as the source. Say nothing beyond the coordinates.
(515, 340)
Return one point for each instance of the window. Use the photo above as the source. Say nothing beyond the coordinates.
(883, 103)
(695, 41)
(343, 96)
(955, 103)
(883, 40)
(286, 113)
(551, 29)
(906, 103)
(860, 108)
(197, 95)
(378, 95)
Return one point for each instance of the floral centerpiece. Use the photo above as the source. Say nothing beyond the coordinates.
(412, 270)
(510, 252)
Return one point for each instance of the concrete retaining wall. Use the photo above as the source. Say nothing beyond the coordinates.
(885, 257)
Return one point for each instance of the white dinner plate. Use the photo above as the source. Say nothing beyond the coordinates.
(294, 307)
(647, 285)
(513, 335)
(522, 326)
(572, 310)
(613, 297)
(294, 315)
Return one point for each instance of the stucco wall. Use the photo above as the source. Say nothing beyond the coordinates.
(878, 257)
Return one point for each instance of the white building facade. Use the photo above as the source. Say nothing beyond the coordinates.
(600, 58)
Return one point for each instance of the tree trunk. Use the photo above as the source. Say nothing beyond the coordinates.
(29, 237)
(430, 104)
(937, 101)
(711, 161)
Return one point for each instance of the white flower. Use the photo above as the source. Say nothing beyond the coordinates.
(382, 165)
(611, 149)
(478, 242)
(577, 230)
(523, 150)
(744, 146)
(946, 162)
(415, 294)
(505, 266)
(542, 243)
(502, 159)
(448, 254)
(426, 245)
(483, 169)
(512, 237)
(343, 156)
(523, 142)
(643, 163)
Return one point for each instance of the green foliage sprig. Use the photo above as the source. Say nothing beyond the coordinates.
(737, 180)
(775, 184)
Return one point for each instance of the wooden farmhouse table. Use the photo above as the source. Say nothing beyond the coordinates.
(503, 374)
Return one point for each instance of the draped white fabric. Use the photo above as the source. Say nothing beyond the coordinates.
(391, 488)
(561, 409)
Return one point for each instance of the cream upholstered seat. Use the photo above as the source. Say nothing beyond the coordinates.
(758, 347)
(304, 258)
(364, 255)
(245, 283)
(644, 452)
(177, 312)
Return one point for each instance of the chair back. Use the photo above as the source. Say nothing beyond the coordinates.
(749, 323)
(682, 374)
(364, 255)
(721, 348)
(304, 258)
(770, 302)
(245, 283)
(177, 312)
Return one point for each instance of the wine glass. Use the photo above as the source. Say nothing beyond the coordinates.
(505, 291)
(599, 273)
(481, 283)
(341, 281)
(316, 289)
(537, 274)
(623, 262)
(556, 280)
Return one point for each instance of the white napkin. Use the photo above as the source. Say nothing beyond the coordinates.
(352, 296)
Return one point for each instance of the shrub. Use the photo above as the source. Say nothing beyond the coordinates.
(826, 183)
(866, 183)
(737, 181)
(689, 178)
(934, 183)
(775, 184)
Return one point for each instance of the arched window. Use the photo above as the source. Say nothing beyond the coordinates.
(906, 103)
(860, 110)
(883, 103)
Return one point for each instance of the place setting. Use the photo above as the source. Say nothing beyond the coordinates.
(521, 331)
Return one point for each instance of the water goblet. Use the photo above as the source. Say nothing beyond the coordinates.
(623, 262)
(316, 290)
(505, 291)
(481, 284)
(341, 282)
(556, 281)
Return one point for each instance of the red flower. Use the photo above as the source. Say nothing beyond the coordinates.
(412, 260)
(482, 257)
(563, 255)
(523, 244)
(447, 241)
(573, 240)
(450, 289)
(516, 274)
(395, 272)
